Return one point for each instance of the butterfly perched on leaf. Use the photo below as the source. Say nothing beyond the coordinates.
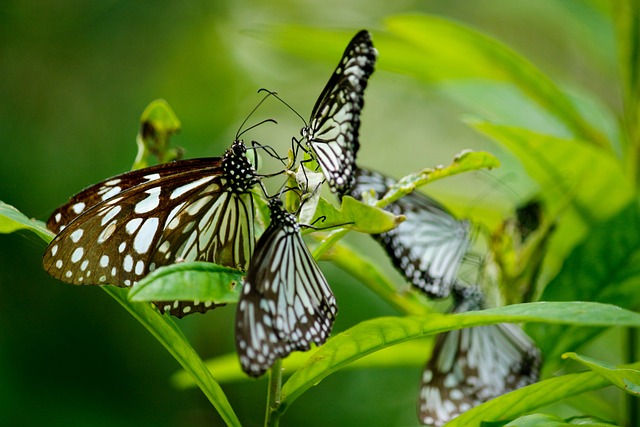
(473, 365)
(117, 231)
(429, 247)
(286, 302)
(332, 132)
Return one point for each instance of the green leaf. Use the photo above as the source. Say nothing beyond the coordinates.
(546, 420)
(605, 268)
(405, 299)
(171, 337)
(157, 124)
(625, 379)
(373, 335)
(592, 177)
(12, 220)
(190, 281)
(527, 399)
(161, 327)
(357, 216)
(433, 48)
(627, 19)
(465, 161)
(226, 368)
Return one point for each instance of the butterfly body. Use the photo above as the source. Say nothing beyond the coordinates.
(286, 303)
(429, 246)
(332, 132)
(119, 230)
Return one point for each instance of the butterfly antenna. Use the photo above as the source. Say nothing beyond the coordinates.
(239, 133)
(275, 95)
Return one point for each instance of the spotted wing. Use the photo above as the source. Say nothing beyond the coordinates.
(183, 216)
(109, 188)
(471, 366)
(286, 303)
(333, 129)
(429, 246)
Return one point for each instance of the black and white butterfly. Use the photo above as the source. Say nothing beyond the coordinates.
(117, 231)
(332, 132)
(473, 365)
(286, 303)
(429, 246)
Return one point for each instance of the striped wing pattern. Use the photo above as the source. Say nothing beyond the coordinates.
(473, 365)
(286, 303)
(332, 133)
(429, 246)
(189, 210)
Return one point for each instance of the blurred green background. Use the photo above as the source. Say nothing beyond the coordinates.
(75, 77)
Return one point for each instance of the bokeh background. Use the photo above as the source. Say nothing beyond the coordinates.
(75, 77)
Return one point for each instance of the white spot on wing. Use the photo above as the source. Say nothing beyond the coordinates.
(187, 187)
(77, 255)
(150, 203)
(78, 208)
(145, 235)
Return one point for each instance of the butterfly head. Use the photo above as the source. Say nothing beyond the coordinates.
(237, 168)
(279, 215)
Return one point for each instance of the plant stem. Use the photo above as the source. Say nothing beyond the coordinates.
(632, 401)
(272, 417)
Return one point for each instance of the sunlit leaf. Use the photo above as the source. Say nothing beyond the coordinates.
(369, 273)
(373, 335)
(546, 420)
(226, 368)
(530, 398)
(465, 161)
(624, 378)
(627, 19)
(434, 48)
(357, 216)
(592, 177)
(190, 281)
(12, 220)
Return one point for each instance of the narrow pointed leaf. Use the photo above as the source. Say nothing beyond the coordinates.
(625, 379)
(192, 281)
(593, 178)
(12, 220)
(465, 161)
(434, 48)
(171, 337)
(373, 335)
(546, 420)
(530, 398)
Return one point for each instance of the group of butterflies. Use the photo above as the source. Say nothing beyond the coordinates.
(119, 230)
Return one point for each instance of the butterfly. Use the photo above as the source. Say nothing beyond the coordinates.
(473, 365)
(332, 132)
(119, 230)
(429, 246)
(286, 302)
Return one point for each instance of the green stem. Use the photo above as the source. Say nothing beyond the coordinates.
(633, 410)
(272, 417)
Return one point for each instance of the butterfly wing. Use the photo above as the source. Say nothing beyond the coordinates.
(189, 211)
(286, 302)
(109, 188)
(429, 246)
(333, 129)
(473, 365)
